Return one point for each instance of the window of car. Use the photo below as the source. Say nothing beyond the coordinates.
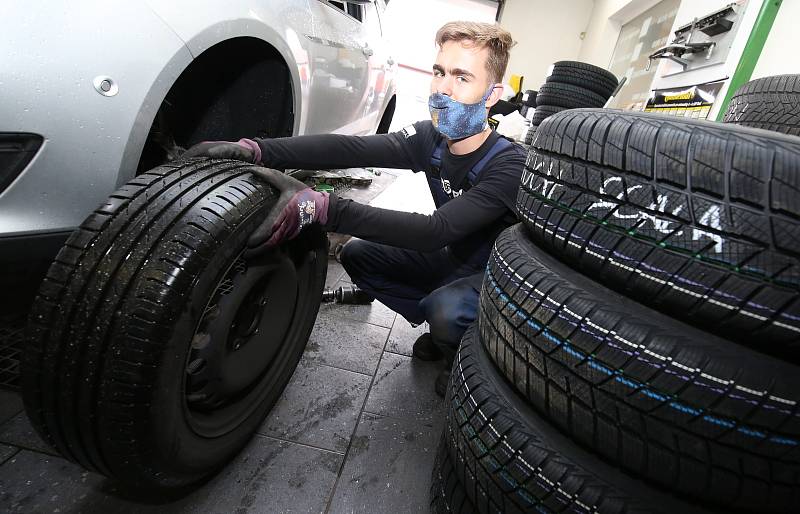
(350, 8)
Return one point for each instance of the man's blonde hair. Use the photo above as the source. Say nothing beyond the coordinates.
(489, 35)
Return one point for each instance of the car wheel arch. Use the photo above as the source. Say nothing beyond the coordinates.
(264, 41)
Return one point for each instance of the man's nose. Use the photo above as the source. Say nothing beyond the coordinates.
(444, 86)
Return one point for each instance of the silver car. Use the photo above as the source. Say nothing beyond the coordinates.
(92, 93)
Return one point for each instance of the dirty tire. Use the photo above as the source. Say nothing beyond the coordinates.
(447, 492)
(543, 112)
(691, 412)
(514, 461)
(151, 279)
(697, 219)
(568, 96)
(584, 75)
(771, 103)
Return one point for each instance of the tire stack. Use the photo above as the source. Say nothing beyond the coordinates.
(571, 85)
(636, 348)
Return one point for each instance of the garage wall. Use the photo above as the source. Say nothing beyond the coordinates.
(545, 32)
(411, 25)
(696, 8)
(603, 28)
(777, 57)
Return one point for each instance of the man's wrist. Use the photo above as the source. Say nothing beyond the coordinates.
(251, 145)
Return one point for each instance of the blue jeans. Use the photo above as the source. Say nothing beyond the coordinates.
(432, 287)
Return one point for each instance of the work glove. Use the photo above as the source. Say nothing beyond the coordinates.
(243, 150)
(298, 206)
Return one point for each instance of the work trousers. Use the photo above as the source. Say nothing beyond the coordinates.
(420, 286)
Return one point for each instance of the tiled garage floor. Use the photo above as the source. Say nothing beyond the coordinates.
(355, 430)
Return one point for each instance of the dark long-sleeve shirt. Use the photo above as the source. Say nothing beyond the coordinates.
(468, 222)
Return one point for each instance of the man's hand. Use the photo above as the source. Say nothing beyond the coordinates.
(243, 150)
(297, 207)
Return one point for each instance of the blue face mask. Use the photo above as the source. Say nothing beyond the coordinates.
(456, 120)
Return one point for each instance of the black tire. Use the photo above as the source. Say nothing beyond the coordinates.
(696, 414)
(447, 492)
(771, 103)
(543, 112)
(530, 134)
(587, 76)
(568, 96)
(698, 219)
(516, 462)
(138, 363)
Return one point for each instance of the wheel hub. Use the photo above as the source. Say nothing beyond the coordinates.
(241, 331)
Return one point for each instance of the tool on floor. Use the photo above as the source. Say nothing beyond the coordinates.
(347, 294)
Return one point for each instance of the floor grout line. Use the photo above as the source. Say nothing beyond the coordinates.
(267, 436)
(344, 369)
(12, 455)
(358, 421)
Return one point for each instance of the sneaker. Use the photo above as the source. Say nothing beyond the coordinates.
(425, 349)
(442, 381)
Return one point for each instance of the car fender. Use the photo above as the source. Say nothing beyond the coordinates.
(52, 59)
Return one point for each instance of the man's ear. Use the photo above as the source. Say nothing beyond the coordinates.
(494, 96)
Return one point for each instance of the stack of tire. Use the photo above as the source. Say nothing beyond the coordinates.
(571, 85)
(638, 336)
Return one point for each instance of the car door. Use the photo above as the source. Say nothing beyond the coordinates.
(339, 68)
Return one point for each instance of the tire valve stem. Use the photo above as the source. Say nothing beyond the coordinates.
(347, 294)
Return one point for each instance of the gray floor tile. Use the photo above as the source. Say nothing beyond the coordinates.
(403, 335)
(320, 407)
(375, 313)
(335, 273)
(19, 432)
(268, 476)
(6, 452)
(388, 467)
(345, 343)
(403, 388)
(10, 405)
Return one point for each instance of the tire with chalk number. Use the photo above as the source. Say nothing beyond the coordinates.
(697, 219)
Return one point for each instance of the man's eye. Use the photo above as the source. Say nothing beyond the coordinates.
(438, 73)
(462, 78)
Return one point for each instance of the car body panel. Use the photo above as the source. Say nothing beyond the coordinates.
(52, 53)
(46, 77)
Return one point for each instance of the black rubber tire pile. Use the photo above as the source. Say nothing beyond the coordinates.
(571, 85)
(636, 348)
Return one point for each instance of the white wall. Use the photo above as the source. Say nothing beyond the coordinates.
(411, 25)
(777, 57)
(603, 29)
(545, 32)
(686, 13)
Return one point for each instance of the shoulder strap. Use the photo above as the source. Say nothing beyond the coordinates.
(499, 145)
(438, 152)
